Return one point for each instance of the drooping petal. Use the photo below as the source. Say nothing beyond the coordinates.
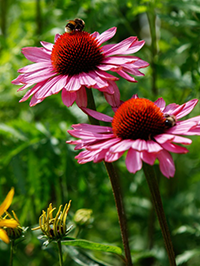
(166, 163)
(133, 161)
(97, 115)
(81, 97)
(174, 148)
(68, 98)
(113, 99)
(148, 157)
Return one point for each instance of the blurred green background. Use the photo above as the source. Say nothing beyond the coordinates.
(36, 161)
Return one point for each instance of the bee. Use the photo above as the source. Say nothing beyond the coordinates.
(170, 121)
(73, 25)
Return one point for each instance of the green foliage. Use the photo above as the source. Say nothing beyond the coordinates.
(35, 159)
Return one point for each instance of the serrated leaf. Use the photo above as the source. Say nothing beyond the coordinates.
(93, 246)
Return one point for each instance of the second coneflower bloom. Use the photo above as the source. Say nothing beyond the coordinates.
(77, 60)
(146, 130)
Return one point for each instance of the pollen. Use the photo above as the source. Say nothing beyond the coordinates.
(76, 53)
(138, 119)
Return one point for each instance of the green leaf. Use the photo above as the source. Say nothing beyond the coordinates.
(187, 255)
(93, 246)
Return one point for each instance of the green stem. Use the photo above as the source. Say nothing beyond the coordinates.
(60, 253)
(11, 252)
(115, 188)
(154, 51)
(120, 210)
(157, 202)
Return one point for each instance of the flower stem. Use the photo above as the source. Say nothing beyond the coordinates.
(115, 188)
(11, 252)
(152, 25)
(120, 209)
(60, 253)
(157, 202)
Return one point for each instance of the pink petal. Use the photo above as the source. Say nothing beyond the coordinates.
(36, 67)
(166, 164)
(174, 148)
(47, 45)
(35, 101)
(148, 157)
(111, 157)
(92, 128)
(188, 107)
(81, 97)
(126, 76)
(123, 145)
(170, 108)
(182, 140)
(73, 83)
(36, 54)
(87, 80)
(160, 103)
(99, 156)
(153, 146)
(102, 145)
(35, 77)
(52, 86)
(135, 47)
(119, 48)
(140, 63)
(162, 138)
(32, 91)
(97, 115)
(95, 34)
(118, 60)
(56, 37)
(133, 161)
(68, 98)
(131, 70)
(106, 35)
(181, 128)
(113, 99)
(139, 145)
(105, 75)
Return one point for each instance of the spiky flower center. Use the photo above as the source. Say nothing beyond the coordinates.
(138, 119)
(76, 53)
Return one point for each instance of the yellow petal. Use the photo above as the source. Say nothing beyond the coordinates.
(6, 203)
(4, 236)
(8, 223)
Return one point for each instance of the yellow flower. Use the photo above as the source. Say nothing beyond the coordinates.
(11, 223)
(54, 227)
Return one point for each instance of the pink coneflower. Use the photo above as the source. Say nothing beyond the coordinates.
(77, 60)
(146, 130)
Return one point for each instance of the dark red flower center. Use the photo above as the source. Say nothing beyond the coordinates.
(76, 53)
(138, 119)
